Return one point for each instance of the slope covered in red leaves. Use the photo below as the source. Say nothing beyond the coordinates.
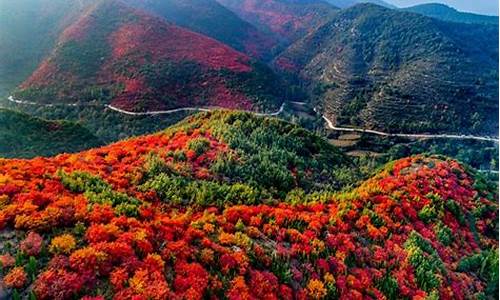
(210, 18)
(288, 19)
(134, 60)
(123, 222)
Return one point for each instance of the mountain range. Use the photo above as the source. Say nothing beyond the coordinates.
(374, 67)
(364, 65)
(230, 205)
(151, 149)
(447, 13)
(349, 3)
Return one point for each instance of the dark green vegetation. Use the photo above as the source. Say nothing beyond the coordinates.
(372, 151)
(379, 68)
(478, 154)
(109, 126)
(180, 190)
(210, 18)
(28, 31)
(446, 13)
(24, 136)
(484, 265)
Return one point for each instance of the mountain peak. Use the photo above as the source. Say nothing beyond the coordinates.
(392, 56)
(129, 57)
(448, 13)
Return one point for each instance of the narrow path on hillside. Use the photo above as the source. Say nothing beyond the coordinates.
(146, 113)
(170, 111)
(328, 121)
(409, 135)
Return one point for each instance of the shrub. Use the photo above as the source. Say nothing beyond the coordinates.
(32, 244)
(62, 244)
(427, 213)
(79, 182)
(16, 278)
(425, 261)
(443, 233)
(316, 289)
(484, 265)
(97, 191)
(199, 145)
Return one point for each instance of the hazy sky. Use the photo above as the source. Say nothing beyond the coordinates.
(489, 7)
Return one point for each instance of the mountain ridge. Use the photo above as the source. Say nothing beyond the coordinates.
(210, 18)
(287, 19)
(367, 57)
(447, 13)
(114, 53)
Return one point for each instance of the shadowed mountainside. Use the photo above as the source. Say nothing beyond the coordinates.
(384, 69)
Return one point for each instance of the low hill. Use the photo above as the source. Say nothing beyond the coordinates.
(179, 215)
(286, 19)
(136, 61)
(447, 13)
(23, 136)
(401, 72)
(210, 18)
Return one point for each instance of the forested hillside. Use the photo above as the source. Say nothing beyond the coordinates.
(446, 13)
(214, 20)
(229, 205)
(384, 69)
(24, 136)
(136, 61)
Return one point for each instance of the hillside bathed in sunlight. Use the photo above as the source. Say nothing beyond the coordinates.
(136, 61)
(186, 214)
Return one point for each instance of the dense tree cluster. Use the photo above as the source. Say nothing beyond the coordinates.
(138, 220)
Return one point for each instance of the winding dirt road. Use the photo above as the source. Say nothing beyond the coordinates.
(409, 135)
(146, 113)
(328, 121)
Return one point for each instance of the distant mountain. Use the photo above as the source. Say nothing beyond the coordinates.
(214, 20)
(349, 3)
(401, 72)
(28, 31)
(287, 19)
(24, 136)
(447, 13)
(119, 55)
